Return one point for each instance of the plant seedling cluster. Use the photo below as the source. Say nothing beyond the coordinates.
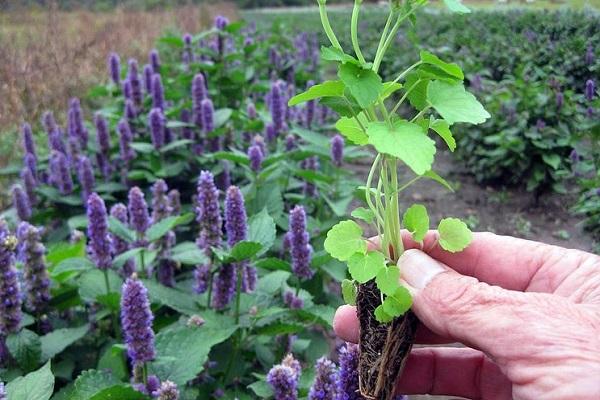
(373, 113)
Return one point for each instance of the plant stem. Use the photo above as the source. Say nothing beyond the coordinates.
(404, 97)
(402, 75)
(238, 292)
(327, 26)
(112, 312)
(354, 31)
(420, 114)
(390, 37)
(384, 34)
(368, 193)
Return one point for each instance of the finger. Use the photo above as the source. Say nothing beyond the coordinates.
(347, 327)
(453, 372)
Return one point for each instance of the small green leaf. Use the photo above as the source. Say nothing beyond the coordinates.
(188, 253)
(325, 89)
(418, 91)
(245, 250)
(351, 129)
(161, 228)
(56, 341)
(364, 84)
(26, 348)
(416, 221)
(381, 316)
(364, 214)
(37, 385)
(344, 240)
(552, 160)
(456, 6)
(399, 303)
(449, 68)
(434, 176)
(261, 229)
(455, 104)
(341, 105)
(442, 128)
(454, 234)
(349, 292)
(334, 54)
(388, 280)
(406, 141)
(364, 267)
(121, 230)
(389, 88)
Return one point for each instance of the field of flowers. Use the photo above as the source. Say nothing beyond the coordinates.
(169, 243)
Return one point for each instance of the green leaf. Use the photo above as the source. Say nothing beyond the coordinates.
(272, 282)
(389, 88)
(70, 267)
(144, 148)
(455, 235)
(78, 222)
(121, 230)
(399, 303)
(434, 176)
(92, 382)
(364, 84)
(26, 348)
(245, 250)
(185, 351)
(455, 104)
(262, 389)
(121, 259)
(349, 292)
(341, 105)
(344, 240)
(364, 214)
(364, 267)
(92, 284)
(56, 341)
(442, 128)
(552, 160)
(64, 250)
(416, 221)
(114, 361)
(351, 129)
(381, 316)
(161, 228)
(222, 116)
(456, 6)
(388, 280)
(175, 144)
(261, 229)
(173, 298)
(188, 253)
(334, 54)
(418, 91)
(325, 89)
(406, 141)
(449, 68)
(118, 392)
(37, 385)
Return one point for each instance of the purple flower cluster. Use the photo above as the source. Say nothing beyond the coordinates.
(31, 254)
(125, 139)
(76, 128)
(60, 173)
(348, 374)
(29, 184)
(283, 378)
(21, 203)
(326, 385)
(156, 121)
(136, 320)
(208, 212)
(174, 202)
(138, 211)
(167, 391)
(300, 247)
(158, 92)
(337, 150)
(160, 201)
(148, 73)
(224, 286)
(256, 156)
(199, 93)
(28, 141)
(120, 246)
(589, 55)
(99, 246)
(154, 59)
(10, 306)
(277, 106)
(201, 278)
(292, 301)
(114, 67)
(133, 78)
(86, 177)
(590, 89)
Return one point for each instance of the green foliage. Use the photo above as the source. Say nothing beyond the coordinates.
(454, 234)
(37, 385)
(345, 240)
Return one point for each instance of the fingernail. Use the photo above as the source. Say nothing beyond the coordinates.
(418, 269)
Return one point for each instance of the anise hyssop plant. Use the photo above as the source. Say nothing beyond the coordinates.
(369, 110)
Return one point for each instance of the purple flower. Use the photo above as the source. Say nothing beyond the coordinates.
(326, 385)
(258, 141)
(270, 132)
(284, 381)
(102, 134)
(251, 111)
(201, 278)
(174, 202)
(134, 80)
(187, 39)
(21, 203)
(292, 301)
(156, 120)
(540, 124)
(300, 247)
(29, 183)
(208, 116)
(99, 246)
(28, 141)
(224, 286)
(221, 22)
(574, 156)
(2, 391)
(30, 163)
(186, 117)
(560, 100)
(118, 245)
(249, 277)
(290, 142)
(476, 83)
(236, 223)
(589, 55)
(198, 94)
(60, 173)
(223, 180)
(35, 275)
(55, 140)
(158, 94)
(348, 358)
(125, 139)
(277, 107)
(255, 154)
(114, 67)
(136, 320)
(148, 72)
(323, 113)
(208, 213)
(160, 206)
(166, 271)
(138, 211)
(76, 127)
(337, 150)
(130, 111)
(127, 89)
(590, 89)
(168, 391)
(10, 306)
(154, 59)
(87, 180)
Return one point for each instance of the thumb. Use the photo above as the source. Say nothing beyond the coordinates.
(465, 310)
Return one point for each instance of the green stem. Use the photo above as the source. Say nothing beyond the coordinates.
(354, 31)
(390, 37)
(384, 34)
(210, 289)
(327, 26)
(396, 213)
(403, 98)
(368, 193)
(402, 75)
(238, 293)
(115, 323)
(420, 114)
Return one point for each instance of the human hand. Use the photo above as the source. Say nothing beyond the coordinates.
(529, 314)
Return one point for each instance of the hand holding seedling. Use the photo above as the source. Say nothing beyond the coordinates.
(528, 312)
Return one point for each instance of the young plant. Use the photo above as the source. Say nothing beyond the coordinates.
(434, 88)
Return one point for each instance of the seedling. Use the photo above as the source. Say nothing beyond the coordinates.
(368, 109)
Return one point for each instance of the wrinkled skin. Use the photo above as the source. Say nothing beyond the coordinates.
(528, 315)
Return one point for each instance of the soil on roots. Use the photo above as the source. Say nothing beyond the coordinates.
(383, 347)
